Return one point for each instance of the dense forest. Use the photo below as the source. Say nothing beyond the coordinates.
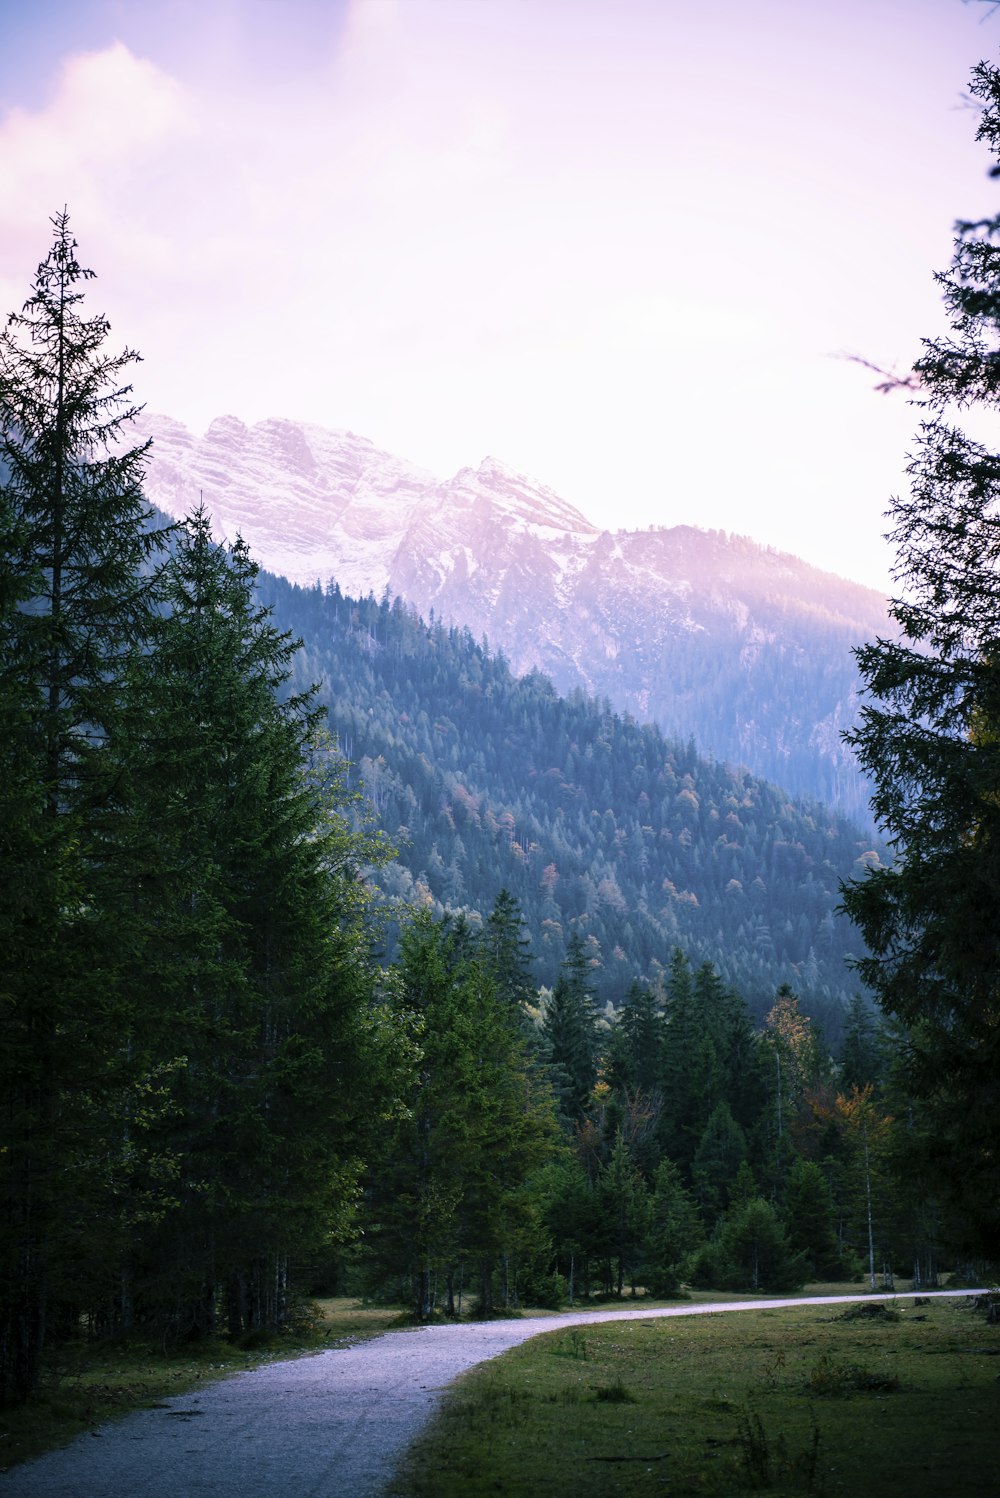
(597, 824)
(582, 1041)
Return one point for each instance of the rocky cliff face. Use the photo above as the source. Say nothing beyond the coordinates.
(743, 648)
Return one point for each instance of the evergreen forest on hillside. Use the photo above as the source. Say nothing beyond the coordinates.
(493, 998)
(597, 824)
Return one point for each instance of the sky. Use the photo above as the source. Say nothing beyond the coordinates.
(626, 246)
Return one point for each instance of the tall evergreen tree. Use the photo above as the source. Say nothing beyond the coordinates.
(675, 1230)
(449, 1190)
(929, 737)
(507, 952)
(640, 1027)
(624, 1207)
(690, 1076)
(570, 1028)
(721, 1151)
(243, 873)
(810, 1222)
(74, 548)
(863, 1054)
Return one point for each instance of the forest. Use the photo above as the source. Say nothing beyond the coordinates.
(481, 780)
(581, 1042)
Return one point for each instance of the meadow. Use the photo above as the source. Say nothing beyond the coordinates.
(886, 1401)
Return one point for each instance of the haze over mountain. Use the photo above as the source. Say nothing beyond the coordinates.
(742, 648)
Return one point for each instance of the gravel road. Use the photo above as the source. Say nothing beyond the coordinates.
(333, 1425)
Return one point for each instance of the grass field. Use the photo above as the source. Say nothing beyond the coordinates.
(830, 1401)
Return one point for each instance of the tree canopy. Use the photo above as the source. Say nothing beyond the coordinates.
(929, 736)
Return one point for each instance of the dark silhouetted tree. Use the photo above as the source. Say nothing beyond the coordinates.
(929, 737)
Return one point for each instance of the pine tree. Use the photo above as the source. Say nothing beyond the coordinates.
(450, 1191)
(507, 952)
(572, 1212)
(253, 953)
(863, 1054)
(721, 1151)
(690, 1078)
(624, 1207)
(675, 1231)
(928, 737)
(810, 1222)
(793, 1061)
(753, 1253)
(640, 1025)
(570, 1029)
(74, 551)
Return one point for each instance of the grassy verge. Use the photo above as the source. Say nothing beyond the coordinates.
(84, 1386)
(819, 1400)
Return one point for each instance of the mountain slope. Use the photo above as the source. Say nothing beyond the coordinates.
(744, 649)
(593, 821)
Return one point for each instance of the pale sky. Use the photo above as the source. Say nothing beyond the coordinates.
(619, 244)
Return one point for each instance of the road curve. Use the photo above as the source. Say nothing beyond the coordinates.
(333, 1425)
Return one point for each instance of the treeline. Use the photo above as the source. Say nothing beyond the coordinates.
(552, 1153)
(194, 1049)
(595, 823)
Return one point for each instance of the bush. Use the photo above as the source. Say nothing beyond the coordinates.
(542, 1287)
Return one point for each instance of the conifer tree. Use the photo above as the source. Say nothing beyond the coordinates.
(570, 1028)
(624, 1206)
(689, 1074)
(508, 951)
(810, 1222)
(721, 1151)
(863, 1054)
(640, 1026)
(253, 953)
(74, 549)
(928, 737)
(449, 1194)
(750, 1251)
(675, 1230)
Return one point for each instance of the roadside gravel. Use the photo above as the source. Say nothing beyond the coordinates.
(334, 1425)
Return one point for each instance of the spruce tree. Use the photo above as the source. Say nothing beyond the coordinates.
(75, 545)
(721, 1151)
(675, 1231)
(253, 953)
(449, 1199)
(640, 1027)
(570, 1029)
(690, 1077)
(929, 738)
(508, 950)
(810, 1222)
(624, 1207)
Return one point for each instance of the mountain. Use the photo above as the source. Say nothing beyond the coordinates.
(744, 649)
(484, 780)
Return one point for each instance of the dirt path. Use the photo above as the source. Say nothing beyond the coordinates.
(330, 1426)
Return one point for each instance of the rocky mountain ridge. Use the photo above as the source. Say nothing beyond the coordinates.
(743, 648)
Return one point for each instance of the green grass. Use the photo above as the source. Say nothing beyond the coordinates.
(799, 1401)
(84, 1386)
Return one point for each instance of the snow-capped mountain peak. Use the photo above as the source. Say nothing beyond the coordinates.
(671, 623)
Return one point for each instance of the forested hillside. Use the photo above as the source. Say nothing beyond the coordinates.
(712, 636)
(593, 821)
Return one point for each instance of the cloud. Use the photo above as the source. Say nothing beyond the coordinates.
(104, 133)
